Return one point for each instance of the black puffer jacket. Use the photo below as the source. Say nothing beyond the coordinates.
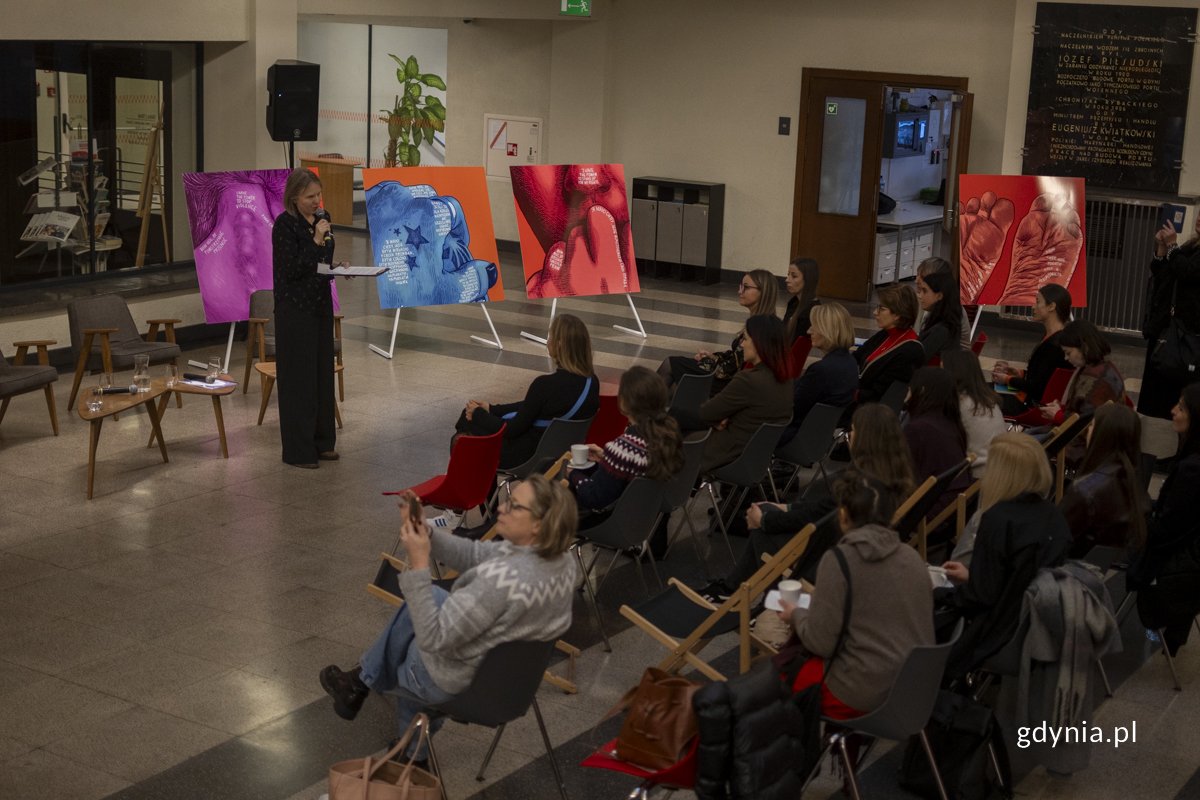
(751, 743)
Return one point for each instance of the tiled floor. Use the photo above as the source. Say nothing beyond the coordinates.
(163, 639)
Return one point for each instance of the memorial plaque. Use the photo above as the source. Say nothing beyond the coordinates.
(1108, 89)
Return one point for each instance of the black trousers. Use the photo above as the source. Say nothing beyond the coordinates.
(304, 367)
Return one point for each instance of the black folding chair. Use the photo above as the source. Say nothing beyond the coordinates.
(745, 472)
(504, 688)
(630, 524)
(810, 446)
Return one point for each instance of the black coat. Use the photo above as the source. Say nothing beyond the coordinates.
(833, 380)
(1016, 538)
(898, 364)
(751, 738)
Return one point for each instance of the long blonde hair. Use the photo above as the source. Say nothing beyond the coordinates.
(1016, 464)
(570, 345)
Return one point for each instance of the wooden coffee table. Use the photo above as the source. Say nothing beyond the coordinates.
(115, 404)
(183, 387)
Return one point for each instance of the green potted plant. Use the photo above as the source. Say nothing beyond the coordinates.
(414, 118)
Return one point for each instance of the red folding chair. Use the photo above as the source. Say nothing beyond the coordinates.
(799, 354)
(609, 422)
(470, 476)
(980, 341)
(680, 775)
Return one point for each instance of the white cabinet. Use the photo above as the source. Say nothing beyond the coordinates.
(899, 252)
(885, 257)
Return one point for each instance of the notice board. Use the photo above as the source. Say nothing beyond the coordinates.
(510, 142)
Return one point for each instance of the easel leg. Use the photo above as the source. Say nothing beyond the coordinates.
(641, 330)
(495, 340)
(540, 339)
(391, 348)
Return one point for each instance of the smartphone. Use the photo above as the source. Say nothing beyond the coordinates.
(1172, 214)
(415, 514)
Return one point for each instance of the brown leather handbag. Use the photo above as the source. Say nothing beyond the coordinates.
(660, 722)
(384, 779)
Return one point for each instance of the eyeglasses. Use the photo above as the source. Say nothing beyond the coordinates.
(509, 505)
(747, 287)
(884, 309)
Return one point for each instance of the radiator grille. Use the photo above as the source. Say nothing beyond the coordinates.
(1120, 244)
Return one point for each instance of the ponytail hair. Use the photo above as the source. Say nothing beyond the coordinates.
(643, 397)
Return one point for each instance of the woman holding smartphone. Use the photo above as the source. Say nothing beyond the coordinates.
(518, 587)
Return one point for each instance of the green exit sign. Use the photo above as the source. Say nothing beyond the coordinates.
(576, 8)
(831, 109)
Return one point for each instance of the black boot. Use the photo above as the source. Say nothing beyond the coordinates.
(347, 691)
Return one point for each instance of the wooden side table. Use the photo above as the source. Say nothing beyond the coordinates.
(183, 387)
(267, 374)
(113, 404)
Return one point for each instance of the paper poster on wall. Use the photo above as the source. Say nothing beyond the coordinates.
(431, 227)
(1016, 234)
(231, 215)
(573, 222)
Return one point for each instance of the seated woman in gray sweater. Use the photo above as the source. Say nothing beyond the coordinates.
(516, 589)
(873, 604)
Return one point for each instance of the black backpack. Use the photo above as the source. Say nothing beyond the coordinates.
(959, 732)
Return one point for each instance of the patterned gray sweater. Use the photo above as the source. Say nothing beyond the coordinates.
(504, 593)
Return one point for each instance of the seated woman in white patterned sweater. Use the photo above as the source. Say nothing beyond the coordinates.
(651, 445)
(516, 589)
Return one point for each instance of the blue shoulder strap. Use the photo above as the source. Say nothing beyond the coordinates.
(545, 423)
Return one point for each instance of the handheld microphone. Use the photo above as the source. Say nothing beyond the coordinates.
(321, 213)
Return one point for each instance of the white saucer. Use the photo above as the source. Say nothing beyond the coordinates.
(588, 465)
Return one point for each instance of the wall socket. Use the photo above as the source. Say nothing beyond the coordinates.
(785, 126)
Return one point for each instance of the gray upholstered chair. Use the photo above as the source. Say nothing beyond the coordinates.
(17, 378)
(260, 339)
(107, 317)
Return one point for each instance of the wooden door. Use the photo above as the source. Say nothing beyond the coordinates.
(957, 158)
(837, 187)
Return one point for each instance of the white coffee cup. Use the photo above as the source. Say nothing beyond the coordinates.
(579, 455)
(790, 591)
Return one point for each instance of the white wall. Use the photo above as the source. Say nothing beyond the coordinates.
(127, 20)
(697, 87)
(495, 67)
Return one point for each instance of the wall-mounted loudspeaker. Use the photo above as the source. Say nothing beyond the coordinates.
(293, 93)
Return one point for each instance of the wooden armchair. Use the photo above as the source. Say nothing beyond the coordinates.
(260, 338)
(18, 378)
(107, 316)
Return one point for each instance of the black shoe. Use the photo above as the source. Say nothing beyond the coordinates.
(716, 592)
(347, 691)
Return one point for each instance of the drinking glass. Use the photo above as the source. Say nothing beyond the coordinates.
(214, 369)
(141, 372)
(172, 375)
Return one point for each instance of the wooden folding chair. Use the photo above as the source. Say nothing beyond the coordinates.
(1056, 445)
(682, 609)
(934, 487)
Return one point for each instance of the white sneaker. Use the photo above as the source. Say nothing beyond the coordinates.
(447, 520)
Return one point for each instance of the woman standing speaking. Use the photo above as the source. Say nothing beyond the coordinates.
(304, 324)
